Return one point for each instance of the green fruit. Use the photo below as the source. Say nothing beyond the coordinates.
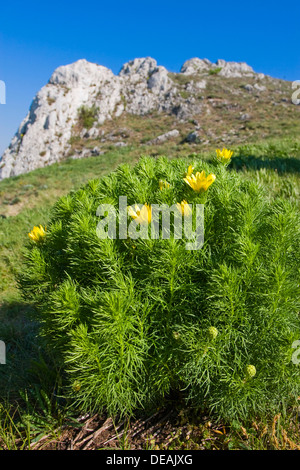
(76, 386)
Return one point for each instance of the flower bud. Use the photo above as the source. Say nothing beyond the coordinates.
(212, 332)
(76, 386)
(250, 371)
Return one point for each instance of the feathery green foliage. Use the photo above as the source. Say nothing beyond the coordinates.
(132, 320)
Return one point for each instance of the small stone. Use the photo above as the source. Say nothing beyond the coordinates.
(259, 87)
(245, 117)
(92, 133)
(95, 151)
(120, 144)
(248, 87)
(192, 137)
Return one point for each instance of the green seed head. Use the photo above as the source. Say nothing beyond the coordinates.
(212, 332)
(176, 335)
(76, 386)
(250, 371)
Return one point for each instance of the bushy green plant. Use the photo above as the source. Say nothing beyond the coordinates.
(87, 116)
(132, 320)
(215, 71)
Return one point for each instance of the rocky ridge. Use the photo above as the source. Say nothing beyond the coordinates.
(140, 88)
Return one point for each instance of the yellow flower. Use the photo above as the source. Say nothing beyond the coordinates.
(37, 234)
(163, 184)
(200, 182)
(184, 208)
(190, 170)
(141, 216)
(224, 155)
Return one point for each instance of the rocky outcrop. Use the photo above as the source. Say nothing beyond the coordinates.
(141, 87)
(227, 69)
(196, 65)
(234, 69)
(43, 136)
(164, 137)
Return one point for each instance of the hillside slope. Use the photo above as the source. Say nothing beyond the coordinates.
(86, 110)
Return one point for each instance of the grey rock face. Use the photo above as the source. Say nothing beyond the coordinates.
(159, 81)
(43, 136)
(141, 87)
(193, 87)
(138, 68)
(234, 69)
(228, 69)
(195, 65)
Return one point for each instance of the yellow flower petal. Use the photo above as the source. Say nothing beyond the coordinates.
(224, 155)
(190, 170)
(141, 216)
(200, 182)
(184, 208)
(37, 234)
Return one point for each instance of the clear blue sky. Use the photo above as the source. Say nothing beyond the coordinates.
(36, 37)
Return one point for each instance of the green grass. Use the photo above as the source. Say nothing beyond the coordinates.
(25, 201)
(215, 71)
(87, 116)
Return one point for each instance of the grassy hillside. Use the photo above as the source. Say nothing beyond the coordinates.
(231, 111)
(26, 201)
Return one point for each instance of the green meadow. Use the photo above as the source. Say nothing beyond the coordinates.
(32, 404)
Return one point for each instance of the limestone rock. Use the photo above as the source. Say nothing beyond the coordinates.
(259, 87)
(192, 137)
(164, 137)
(245, 117)
(159, 81)
(138, 69)
(140, 88)
(92, 133)
(248, 87)
(120, 144)
(234, 69)
(43, 136)
(195, 65)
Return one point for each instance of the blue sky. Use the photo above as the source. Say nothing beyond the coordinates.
(36, 37)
